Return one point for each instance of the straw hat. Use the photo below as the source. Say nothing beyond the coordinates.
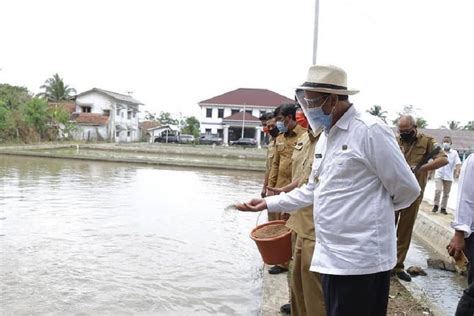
(327, 79)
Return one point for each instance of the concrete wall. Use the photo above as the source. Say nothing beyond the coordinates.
(90, 133)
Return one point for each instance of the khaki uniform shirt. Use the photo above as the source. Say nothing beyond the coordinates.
(415, 152)
(302, 221)
(280, 172)
(270, 155)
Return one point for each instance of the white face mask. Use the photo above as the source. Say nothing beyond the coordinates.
(446, 146)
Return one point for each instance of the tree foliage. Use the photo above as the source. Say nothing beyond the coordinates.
(24, 118)
(56, 90)
(191, 126)
(376, 110)
(165, 118)
(469, 126)
(411, 110)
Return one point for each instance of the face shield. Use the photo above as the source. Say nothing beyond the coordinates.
(312, 110)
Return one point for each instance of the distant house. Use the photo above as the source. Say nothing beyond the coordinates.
(144, 126)
(106, 115)
(161, 131)
(463, 140)
(230, 113)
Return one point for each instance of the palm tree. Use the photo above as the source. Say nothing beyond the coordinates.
(377, 111)
(454, 125)
(55, 90)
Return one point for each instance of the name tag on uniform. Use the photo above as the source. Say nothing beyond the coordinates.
(318, 156)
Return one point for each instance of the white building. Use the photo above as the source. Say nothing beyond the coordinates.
(106, 115)
(224, 114)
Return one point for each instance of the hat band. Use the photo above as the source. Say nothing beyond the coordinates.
(323, 85)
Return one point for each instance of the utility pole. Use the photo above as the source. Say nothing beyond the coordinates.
(243, 122)
(316, 26)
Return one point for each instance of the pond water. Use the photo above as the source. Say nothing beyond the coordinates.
(103, 238)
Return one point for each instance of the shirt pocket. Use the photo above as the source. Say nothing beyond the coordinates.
(343, 170)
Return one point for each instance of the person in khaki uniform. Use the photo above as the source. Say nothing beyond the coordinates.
(415, 146)
(306, 290)
(280, 172)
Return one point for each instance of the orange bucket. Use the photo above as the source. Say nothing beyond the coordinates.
(275, 249)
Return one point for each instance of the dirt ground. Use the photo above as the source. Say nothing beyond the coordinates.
(402, 303)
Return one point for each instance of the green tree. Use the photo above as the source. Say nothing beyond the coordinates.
(376, 110)
(421, 122)
(13, 97)
(7, 122)
(56, 90)
(453, 125)
(36, 115)
(59, 121)
(191, 126)
(165, 118)
(150, 116)
(411, 110)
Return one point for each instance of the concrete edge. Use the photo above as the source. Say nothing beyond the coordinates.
(185, 164)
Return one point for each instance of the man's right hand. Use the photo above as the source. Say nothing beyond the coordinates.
(456, 246)
(255, 205)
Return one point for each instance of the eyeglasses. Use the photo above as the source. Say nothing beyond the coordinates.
(314, 102)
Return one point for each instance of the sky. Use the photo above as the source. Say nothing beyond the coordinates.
(172, 54)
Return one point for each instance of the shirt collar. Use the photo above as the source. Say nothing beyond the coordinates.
(346, 118)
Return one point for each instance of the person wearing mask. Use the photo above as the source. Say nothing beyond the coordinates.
(415, 146)
(445, 175)
(280, 171)
(358, 179)
(463, 239)
(305, 286)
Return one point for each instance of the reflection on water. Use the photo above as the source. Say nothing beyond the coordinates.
(97, 238)
(443, 288)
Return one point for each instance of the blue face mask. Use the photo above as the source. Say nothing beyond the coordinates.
(281, 127)
(318, 119)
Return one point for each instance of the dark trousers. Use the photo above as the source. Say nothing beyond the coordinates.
(466, 303)
(348, 295)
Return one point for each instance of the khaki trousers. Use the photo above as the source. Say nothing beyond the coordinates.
(406, 220)
(445, 186)
(306, 290)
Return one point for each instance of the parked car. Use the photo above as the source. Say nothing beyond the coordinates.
(167, 139)
(210, 139)
(244, 142)
(185, 139)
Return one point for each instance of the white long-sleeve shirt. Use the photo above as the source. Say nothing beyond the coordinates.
(362, 178)
(464, 215)
(447, 172)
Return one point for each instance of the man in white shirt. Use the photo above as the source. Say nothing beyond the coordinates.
(444, 176)
(463, 239)
(359, 179)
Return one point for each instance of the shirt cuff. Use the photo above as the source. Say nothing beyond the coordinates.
(273, 203)
(462, 227)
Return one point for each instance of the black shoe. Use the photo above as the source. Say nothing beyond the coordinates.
(402, 275)
(277, 270)
(443, 211)
(435, 209)
(285, 309)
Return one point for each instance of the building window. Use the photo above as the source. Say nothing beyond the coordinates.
(117, 134)
(86, 109)
(209, 112)
(220, 132)
(134, 114)
(106, 113)
(208, 131)
(248, 112)
(129, 115)
(118, 112)
(233, 111)
(128, 133)
(220, 113)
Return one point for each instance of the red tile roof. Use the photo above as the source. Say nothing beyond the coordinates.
(145, 125)
(70, 107)
(239, 117)
(250, 97)
(90, 119)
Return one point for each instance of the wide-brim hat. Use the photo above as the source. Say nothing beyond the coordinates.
(327, 79)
